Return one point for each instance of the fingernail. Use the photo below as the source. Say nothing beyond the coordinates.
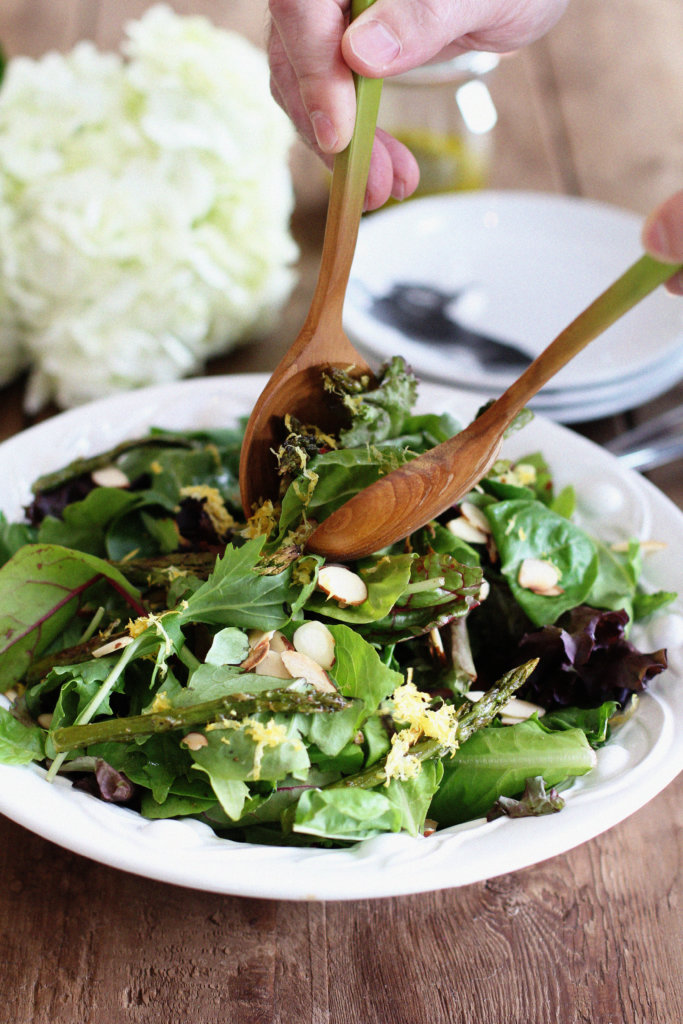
(398, 191)
(325, 132)
(374, 43)
(656, 238)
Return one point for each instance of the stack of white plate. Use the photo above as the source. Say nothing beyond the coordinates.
(441, 280)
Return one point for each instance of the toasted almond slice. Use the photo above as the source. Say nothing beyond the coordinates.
(519, 710)
(646, 546)
(279, 642)
(300, 666)
(257, 636)
(314, 639)
(112, 647)
(195, 741)
(272, 665)
(539, 576)
(436, 647)
(256, 655)
(109, 476)
(342, 585)
(467, 531)
(474, 515)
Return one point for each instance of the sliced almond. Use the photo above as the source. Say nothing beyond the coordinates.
(257, 636)
(436, 646)
(300, 666)
(465, 530)
(342, 585)
(272, 665)
(279, 642)
(256, 655)
(112, 647)
(646, 546)
(539, 576)
(474, 515)
(195, 741)
(314, 639)
(519, 710)
(109, 476)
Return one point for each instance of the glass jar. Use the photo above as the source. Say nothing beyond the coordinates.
(444, 113)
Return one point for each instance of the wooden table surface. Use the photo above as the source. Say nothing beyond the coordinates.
(593, 936)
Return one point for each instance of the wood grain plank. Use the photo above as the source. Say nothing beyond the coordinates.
(570, 940)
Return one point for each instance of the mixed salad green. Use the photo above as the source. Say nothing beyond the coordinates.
(166, 654)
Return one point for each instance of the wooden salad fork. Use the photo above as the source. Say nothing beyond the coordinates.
(409, 497)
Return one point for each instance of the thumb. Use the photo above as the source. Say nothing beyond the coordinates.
(392, 37)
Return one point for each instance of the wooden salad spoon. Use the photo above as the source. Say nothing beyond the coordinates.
(296, 385)
(410, 496)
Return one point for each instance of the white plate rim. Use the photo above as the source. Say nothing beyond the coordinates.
(598, 218)
(187, 853)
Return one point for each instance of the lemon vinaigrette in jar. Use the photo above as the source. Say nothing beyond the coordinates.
(444, 113)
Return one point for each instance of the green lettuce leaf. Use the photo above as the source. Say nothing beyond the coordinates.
(236, 595)
(497, 761)
(19, 743)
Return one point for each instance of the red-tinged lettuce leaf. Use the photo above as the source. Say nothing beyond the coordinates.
(533, 803)
(42, 588)
(108, 784)
(439, 590)
(586, 660)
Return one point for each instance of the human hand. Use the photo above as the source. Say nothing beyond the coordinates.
(663, 236)
(313, 50)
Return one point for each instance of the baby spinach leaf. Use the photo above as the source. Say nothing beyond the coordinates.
(229, 646)
(527, 529)
(341, 473)
(594, 722)
(346, 814)
(439, 590)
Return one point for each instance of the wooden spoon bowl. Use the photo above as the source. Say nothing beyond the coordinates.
(296, 385)
(409, 497)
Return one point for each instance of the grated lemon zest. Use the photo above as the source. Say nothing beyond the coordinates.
(160, 703)
(214, 506)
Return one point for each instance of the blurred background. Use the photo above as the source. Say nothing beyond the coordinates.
(592, 110)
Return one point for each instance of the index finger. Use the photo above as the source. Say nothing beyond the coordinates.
(312, 42)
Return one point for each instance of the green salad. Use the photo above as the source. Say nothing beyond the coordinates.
(164, 653)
